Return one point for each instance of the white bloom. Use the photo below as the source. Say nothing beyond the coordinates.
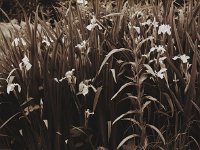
(46, 123)
(137, 29)
(159, 74)
(82, 45)
(20, 131)
(66, 141)
(149, 22)
(11, 87)
(83, 88)
(164, 29)
(155, 23)
(88, 113)
(184, 58)
(161, 59)
(160, 49)
(25, 63)
(16, 42)
(153, 49)
(70, 76)
(93, 24)
(47, 41)
(56, 79)
(84, 2)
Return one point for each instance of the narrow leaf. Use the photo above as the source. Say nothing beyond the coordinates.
(121, 116)
(158, 131)
(114, 76)
(154, 100)
(9, 119)
(96, 98)
(126, 139)
(122, 87)
(145, 105)
(169, 100)
(196, 106)
(109, 55)
(132, 120)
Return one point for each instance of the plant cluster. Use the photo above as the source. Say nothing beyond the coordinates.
(107, 75)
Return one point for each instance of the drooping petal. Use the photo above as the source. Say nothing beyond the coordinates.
(83, 89)
(28, 66)
(184, 58)
(175, 57)
(160, 73)
(10, 87)
(25, 59)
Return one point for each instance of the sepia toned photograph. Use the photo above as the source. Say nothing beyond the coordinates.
(99, 74)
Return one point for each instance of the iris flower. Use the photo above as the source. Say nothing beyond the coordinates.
(69, 75)
(164, 29)
(25, 63)
(160, 49)
(149, 22)
(159, 74)
(82, 45)
(93, 24)
(11, 86)
(184, 58)
(84, 87)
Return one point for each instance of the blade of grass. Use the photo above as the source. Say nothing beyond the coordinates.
(126, 139)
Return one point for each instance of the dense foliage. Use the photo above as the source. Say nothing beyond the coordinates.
(106, 75)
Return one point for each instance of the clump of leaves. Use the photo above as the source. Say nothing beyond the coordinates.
(116, 75)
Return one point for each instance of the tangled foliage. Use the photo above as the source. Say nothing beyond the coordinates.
(107, 75)
(14, 8)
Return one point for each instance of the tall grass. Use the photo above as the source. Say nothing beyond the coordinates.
(103, 77)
